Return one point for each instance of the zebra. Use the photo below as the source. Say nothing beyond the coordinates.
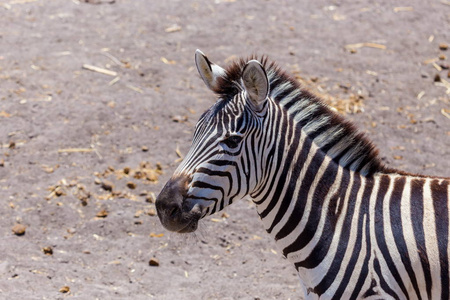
(352, 227)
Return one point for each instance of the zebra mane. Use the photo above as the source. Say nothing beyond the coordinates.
(334, 135)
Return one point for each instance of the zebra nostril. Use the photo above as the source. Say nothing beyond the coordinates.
(174, 211)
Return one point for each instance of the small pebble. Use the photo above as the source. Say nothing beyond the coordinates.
(84, 201)
(443, 46)
(126, 170)
(437, 78)
(151, 212)
(59, 192)
(138, 213)
(154, 262)
(64, 289)
(47, 250)
(107, 185)
(131, 185)
(19, 229)
(102, 214)
(144, 148)
(442, 57)
(179, 119)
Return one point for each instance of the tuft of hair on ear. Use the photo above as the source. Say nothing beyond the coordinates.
(231, 84)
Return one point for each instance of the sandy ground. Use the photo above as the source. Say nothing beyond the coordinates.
(83, 153)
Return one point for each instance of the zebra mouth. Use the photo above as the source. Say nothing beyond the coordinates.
(179, 218)
(191, 227)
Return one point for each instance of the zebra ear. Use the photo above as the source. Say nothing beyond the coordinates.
(209, 71)
(256, 83)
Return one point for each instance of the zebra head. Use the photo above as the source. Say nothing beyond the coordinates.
(221, 165)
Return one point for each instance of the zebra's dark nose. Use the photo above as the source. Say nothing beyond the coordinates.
(169, 204)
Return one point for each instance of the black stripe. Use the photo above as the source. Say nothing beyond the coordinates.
(347, 227)
(320, 193)
(397, 230)
(323, 246)
(286, 201)
(315, 114)
(324, 127)
(213, 210)
(379, 232)
(200, 157)
(281, 184)
(205, 185)
(350, 268)
(417, 214)
(222, 163)
(245, 185)
(439, 195)
(365, 266)
(300, 204)
(210, 172)
(280, 127)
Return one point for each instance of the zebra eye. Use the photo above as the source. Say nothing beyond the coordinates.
(232, 141)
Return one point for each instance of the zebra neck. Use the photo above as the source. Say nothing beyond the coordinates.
(336, 137)
(306, 182)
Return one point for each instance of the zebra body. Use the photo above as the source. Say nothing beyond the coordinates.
(353, 228)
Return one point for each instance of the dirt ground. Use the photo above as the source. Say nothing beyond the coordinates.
(83, 152)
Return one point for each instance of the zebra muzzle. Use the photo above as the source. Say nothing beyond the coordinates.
(175, 211)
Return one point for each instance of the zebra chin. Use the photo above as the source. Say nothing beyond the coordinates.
(176, 211)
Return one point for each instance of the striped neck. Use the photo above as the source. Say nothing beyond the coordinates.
(336, 137)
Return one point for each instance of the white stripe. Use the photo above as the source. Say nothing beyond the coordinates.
(280, 88)
(306, 112)
(298, 105)
(351, 154)
(328, 136)
(292, 97)
(391, 240)
(316, 124)
(410, 239)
